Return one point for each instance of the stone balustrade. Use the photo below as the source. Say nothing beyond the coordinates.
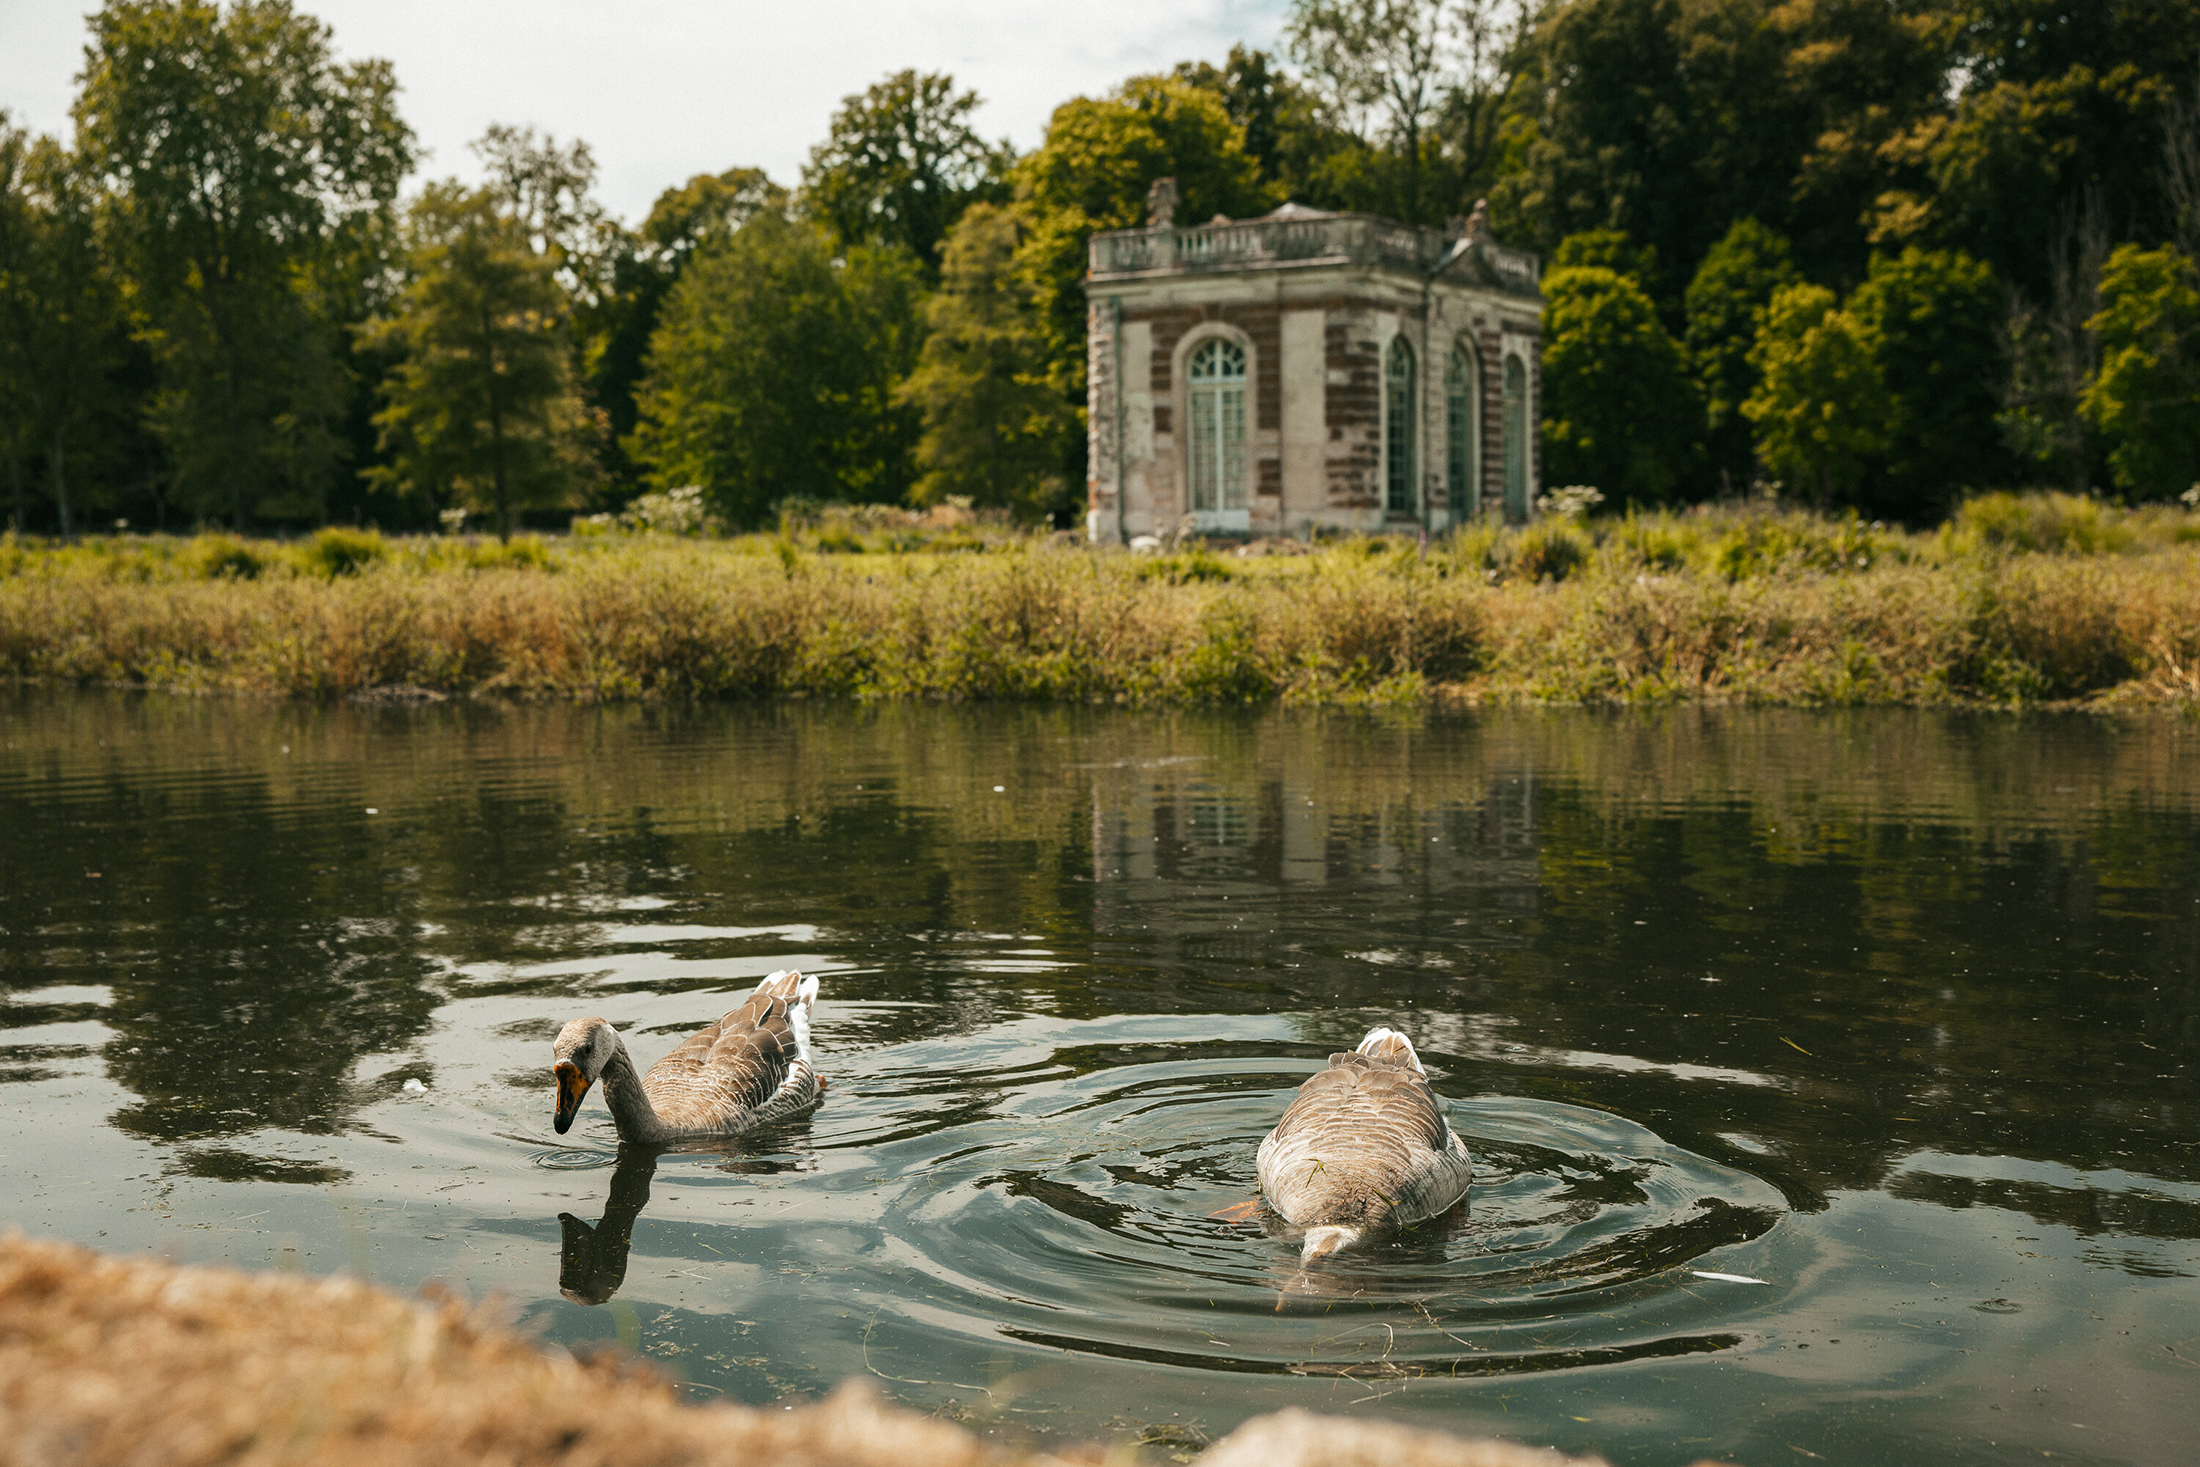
(1335, 239)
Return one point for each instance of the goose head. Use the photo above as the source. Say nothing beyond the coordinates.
(583, 1048)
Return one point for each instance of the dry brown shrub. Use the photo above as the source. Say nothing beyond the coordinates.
(108, 1362)
(668, 620)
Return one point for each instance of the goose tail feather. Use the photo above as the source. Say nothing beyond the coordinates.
(1389, 1044)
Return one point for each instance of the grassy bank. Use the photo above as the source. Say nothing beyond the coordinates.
(2014, 602)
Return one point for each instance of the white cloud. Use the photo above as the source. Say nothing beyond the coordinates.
(664, 89)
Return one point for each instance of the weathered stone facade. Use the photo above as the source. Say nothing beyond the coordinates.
(1362, 384)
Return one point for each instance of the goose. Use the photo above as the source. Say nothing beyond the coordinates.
(1365, 1146)
(749, 1069)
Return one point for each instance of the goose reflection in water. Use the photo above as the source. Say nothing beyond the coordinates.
(592, 1259)
(1398, 1265)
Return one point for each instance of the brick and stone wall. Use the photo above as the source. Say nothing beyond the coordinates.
(1315, 329)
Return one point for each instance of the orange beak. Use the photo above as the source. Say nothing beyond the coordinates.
(572, 1088)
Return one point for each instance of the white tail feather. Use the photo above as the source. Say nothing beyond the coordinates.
(1379, 1040)
(1322, 1241)
(800, 1014)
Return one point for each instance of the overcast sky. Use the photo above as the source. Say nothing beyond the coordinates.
(664, 89)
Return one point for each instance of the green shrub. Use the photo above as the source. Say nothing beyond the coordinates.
(1549, 550)
(1654, 542)
(225, 558)
(1762, 545)
(521, 552)
(1186, 567)
(336, 551)
(2066, 524)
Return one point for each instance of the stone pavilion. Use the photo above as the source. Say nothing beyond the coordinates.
(1309, 371)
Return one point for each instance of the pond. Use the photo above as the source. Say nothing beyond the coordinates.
(1892, 1012)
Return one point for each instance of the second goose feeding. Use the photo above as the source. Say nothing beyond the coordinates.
(1364, 1147)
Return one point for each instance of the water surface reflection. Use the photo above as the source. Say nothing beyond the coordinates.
(1894, 1011)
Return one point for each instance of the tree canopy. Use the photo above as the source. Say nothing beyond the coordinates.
(1883, 252)
(900, 163)
(773, 369)
(239, 157)
(480, 411)
(1618, 404)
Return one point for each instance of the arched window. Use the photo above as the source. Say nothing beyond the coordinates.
(1516, 439)
(1462, 434)
(1398, 497)
(1217, 408)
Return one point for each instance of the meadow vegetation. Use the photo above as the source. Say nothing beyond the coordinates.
(2015, 601)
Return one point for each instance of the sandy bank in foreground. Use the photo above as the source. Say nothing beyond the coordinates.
(112, 1361)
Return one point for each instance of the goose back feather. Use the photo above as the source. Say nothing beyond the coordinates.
(1365, 1143)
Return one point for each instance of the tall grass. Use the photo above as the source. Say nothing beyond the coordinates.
(2015, 602)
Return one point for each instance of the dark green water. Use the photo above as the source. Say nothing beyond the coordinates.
(1895, 1012)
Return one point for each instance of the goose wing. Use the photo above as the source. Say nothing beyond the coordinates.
(747, 1069)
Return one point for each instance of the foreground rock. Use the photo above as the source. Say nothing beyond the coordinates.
(127, 1361)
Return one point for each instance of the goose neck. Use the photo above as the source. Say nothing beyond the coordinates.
(631, 1111)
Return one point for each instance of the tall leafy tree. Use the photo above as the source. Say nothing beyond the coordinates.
(1726, 304)
(1410, 77)
(2146, 398)
(1934, 318)
(1619, 410)
(1092, 172)
(62, 329)
(900, 163)
(1820, 406)
(2054, 104)
(1607, 249)
(994, 430)
(20, 296)
(705, 211)
(1670, 119)
(547, 189)
(481, 409)
(240, 154)
(773, 368)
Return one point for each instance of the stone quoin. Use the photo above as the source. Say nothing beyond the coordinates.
(1309, 371)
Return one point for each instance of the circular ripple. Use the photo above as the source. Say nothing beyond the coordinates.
(573, 1160)
(1072, 1210)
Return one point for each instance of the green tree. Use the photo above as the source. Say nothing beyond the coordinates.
(993, 428)
(2054, 105)
(772, 372)
(900, 163)
(1726, 303)
(1091, 174)
(1619, 410)
(1421, 80)
(1607, 249)
(704, 211)
(546, 190)
(1933, 319)
(1820, 407)
(63, 336)
(241, 157)
(1670, 119)
(481, 409)
(2146, 397)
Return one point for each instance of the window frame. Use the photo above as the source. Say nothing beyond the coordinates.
(1401, 491)
(1218, 396)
